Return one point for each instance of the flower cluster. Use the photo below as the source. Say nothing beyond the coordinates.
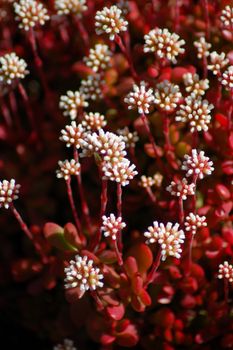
(67, 345)
(194, 85)
(169, 237)
(226, 271)
(66, 7)
(167, 96)
(110, 21)
(12, 68)
(72, 102)
(68, 168)
(165, 44)
(98, 58)
(30, 13)
(202, 47)
(112, 226)
(181, 189)
(8, 192)
(82, 274)
(140, 98)
(197, 164)
(193, 222)
(227, 78)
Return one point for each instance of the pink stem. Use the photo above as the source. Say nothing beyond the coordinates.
(119, 212)
(28, 233)
(118, 254)
(14, 109)
(156, 263)
(104, 200)
(205, 70)
(189, 262)
(226, 290)
(74, 211)
(177, 16)
(82, 31)
(207, 19)
(151, 138)
(151, 194)
(166, 122)
(27, 105)
(181, 210)
(127, 56)
(219, 94)
(5, 112)
(85, 208)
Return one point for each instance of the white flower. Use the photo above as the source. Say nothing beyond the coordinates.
(167, 96)
(164, 44)
(109, 146)
(92, 87)
(73, 134)
(111, 226)
(196, 112)
(67, 345)
(129, 137)
(197, 164)
(30, 13)
(93, 121)
(8, 193)
(146, 181)
(202, 47)
(120, 172)
(71, 102)
(140, 98)
(67, 169)
(12, 68)
(66, 7)
(98, 58)
(110, 21)
(181, 189)
(169, 237)
(193, 222)
(225, 271)
(227, 17)
(227, 78)
(194, 85)
(82, 274)
(158, 179)
(217, 62)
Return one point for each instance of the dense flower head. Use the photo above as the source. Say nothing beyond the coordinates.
(226, 271)
(67, 345)
(141, 98)
(227, 78)
(92, 87)
(165, 44)
(99, 58)
(8, 192)
(12, 68)
(30, 13)
(202, 47)
(93, 121)
(169, 237)
(73, 134)
(181, 188)
(194, 85)
(217, 62)
(66, 7)
(146, 181)
(111, 226)
(109, 146)
(167, 96)
(227, 17)
(72, 102)
(110, 21)
(197, 164)
(193, 222)
(158, 179)
(67, 168)
(82, 274)
(121, 172)
(196, 112)
(130, 138)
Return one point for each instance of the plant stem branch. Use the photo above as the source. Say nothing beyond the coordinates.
(156, 263)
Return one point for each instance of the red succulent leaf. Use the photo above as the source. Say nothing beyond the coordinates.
(143, 255)
(131, 266)
(116, 312)
(129, 337)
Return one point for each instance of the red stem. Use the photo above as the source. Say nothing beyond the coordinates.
(207, 19)
(28, 233)
(177, 16)
(73, 208)
(166, 122)
(230, 111)
(119, 213)
(181, 210)
(150, 194)
(226, 290)
(118, 254)
(82, 31)
(14, 109)
(121, 45)
(156, 263)
(5, 112)
(205, 70)
(27, 105)
(84, 205)
(189, 262)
